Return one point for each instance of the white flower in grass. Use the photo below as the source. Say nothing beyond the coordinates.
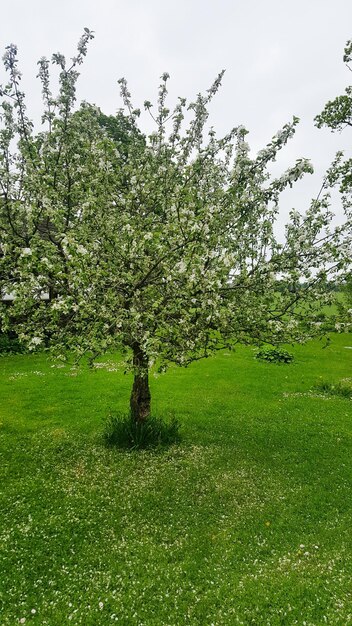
(101, 605)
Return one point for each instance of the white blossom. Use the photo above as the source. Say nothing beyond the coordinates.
(26, 252)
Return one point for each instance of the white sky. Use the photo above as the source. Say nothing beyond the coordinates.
(281, 59)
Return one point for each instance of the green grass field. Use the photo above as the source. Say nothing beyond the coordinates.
(247, 521)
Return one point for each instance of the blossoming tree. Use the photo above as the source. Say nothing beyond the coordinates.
(165, 250)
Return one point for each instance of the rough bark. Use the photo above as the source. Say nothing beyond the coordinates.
(140, 395)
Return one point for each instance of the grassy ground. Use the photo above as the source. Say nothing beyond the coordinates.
(248, 521)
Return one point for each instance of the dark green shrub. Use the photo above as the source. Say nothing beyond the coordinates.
(121, 431)
(275, 355)
(10, 344)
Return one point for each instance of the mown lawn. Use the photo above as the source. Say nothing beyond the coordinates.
(247, 521)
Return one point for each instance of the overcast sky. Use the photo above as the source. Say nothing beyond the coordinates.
(281, 59)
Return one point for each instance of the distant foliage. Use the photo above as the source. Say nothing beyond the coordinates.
(275, 355)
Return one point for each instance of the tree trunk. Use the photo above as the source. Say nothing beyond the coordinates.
(140, 395)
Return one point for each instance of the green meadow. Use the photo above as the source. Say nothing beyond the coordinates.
(247, 521)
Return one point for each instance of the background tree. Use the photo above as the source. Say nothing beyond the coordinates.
(337, 115)
(161, 246)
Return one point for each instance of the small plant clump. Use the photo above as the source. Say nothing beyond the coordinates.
(121, 431)
(274, 355)
(343, 388)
